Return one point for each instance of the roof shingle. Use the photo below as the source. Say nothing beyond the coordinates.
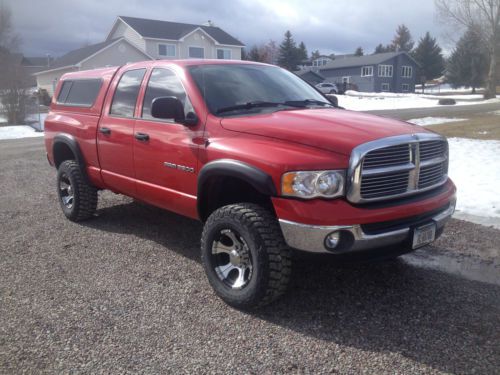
(175, 30)
(353, 61)
(74, 57)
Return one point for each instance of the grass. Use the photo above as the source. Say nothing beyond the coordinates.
(480, 126)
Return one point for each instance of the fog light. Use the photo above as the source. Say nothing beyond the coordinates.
(332, 240)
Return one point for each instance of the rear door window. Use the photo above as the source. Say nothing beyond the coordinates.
(79, 92)
(126, 93)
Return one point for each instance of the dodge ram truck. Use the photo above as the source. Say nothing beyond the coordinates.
(264, 160)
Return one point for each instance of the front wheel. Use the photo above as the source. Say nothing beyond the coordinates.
(244, 255)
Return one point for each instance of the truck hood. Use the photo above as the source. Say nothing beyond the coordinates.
(330, 129)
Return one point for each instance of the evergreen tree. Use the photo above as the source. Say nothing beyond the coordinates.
(359, 52)
(428, 55)
(289, 56)
(402, 40)
(383, 49)
(315, 54)
(302, 51)
(468, 64)
(255, 54)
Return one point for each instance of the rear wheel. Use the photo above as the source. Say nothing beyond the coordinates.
(78, 198)
(245, 257)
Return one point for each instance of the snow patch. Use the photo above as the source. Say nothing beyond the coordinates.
(474, 169)
(434, 120)
(371, 101)
(18, 131)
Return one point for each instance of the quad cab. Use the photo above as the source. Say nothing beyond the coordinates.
(262, 158)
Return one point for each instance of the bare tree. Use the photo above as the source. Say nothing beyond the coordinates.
(483, 18)
(13, 77)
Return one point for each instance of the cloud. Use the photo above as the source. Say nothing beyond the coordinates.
(57, 26)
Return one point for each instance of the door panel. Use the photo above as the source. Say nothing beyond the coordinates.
(166, 164)
(115, 135)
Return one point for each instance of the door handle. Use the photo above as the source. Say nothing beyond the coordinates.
(142, 137)
(106, 131)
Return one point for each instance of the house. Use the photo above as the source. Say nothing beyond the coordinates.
(135, 39)
(35, 64)
(391, 71)
(108, 53)
(173, 40)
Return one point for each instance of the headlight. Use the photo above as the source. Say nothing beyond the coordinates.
(325, 184)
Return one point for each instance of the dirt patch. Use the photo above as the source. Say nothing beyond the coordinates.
(480, 126)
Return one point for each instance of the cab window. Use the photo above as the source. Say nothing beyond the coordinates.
(126, 93)
(164, 82)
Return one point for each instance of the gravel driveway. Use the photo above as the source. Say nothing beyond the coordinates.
(126, 293)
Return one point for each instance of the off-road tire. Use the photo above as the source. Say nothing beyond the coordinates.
(84, 194)
(271, 257)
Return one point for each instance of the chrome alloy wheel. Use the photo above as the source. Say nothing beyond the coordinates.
(66, 191)
(231, 259)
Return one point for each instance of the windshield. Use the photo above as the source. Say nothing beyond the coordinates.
(230, 89)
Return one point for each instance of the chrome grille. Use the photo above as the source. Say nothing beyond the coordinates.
(397, 166)
(394, 155)
(387, 184)
(430, 175)
(432, 149)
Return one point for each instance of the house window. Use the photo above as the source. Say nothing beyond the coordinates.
(406, 87)
(367, 71)
(223, 54)
(386, 87)
(385, 70)
(196, 52)
(167, 50)
(406, 71)
(346, 79)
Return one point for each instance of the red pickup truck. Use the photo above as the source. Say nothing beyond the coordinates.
(262, 158)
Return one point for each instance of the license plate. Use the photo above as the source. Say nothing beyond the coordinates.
(424, 235)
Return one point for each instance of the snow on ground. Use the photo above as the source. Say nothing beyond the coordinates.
(434, 120)
(371, 101)
(37, 120)
(474, 169)
(18, 131)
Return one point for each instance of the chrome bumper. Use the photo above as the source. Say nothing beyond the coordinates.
(311, 238)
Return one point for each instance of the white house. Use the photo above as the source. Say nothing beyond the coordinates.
(135, 39)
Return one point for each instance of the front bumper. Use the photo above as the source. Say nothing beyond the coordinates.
(311, 238)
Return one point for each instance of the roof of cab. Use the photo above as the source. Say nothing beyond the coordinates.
(110, 71)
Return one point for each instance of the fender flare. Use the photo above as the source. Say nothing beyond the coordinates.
(260, 180)
(72, 144)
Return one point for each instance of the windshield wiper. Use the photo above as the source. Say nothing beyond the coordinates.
(306, 102)
(248, 105)
(262, 104)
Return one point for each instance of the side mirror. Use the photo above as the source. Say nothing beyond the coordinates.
(168, 108)
(332, 99)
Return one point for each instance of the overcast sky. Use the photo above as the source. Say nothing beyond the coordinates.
(339, 26)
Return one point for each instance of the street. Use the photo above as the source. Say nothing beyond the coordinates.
(125, 293)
